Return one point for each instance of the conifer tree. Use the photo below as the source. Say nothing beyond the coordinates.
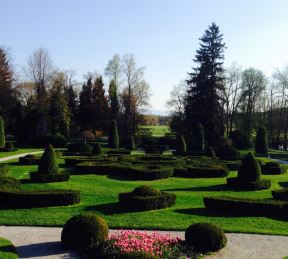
(114, 102)
(202, 104)
(2, 133)
(261, 146)
(113, 137)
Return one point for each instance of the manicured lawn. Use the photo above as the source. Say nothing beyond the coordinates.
(158, 130)
(19, 151)
(7, 250)
(100, 195)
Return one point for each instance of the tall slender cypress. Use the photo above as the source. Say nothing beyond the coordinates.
(2, 133)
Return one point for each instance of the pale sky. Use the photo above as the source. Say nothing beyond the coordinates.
(162, 34)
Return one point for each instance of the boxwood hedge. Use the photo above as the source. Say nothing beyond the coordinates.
(29, 160)
(280, 194)
(47, 178)
(201, 172)
(261, 184)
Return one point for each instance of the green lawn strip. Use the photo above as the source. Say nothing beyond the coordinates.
(100, 195)
(19, 151)
(7, 249)
(158, 130)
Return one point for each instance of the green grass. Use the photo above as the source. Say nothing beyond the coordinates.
(158, 130)
(7, 250)
(100, 195)
(19, 151)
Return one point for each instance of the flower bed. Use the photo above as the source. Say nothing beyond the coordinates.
(142, 244)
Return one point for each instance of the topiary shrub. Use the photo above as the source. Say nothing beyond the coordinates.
(79, 148)
(227, 152)
(113, 137)
(48, 162)
(272, 168)
(205, 237)
(4, 170)
(280, 194)
(261, 145)
(130, 143)
(146, 198)
(181, 144)
(84, 231)
(211, 152)
(9, 183)
(29, 160)
(2, 134)
(97, 150)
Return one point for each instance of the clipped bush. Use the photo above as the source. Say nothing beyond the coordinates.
(245, 206)
(280, 194)
(146, 198)
(84, 231)
(49, 178)
(4, 170)
(9, 147)
(261, 184)
(48, 162)
(41, 198)
(29, 160)
(272, 168)
(97, 150)
(205, 237)
(227, 152)
(118, 152)
(130, 143)
(211, 171)
(250, 170)
(2, 134)
(113, 137)
(56, 140)
(261, 145)
(181, 144)
(9, 183)
(80, 147)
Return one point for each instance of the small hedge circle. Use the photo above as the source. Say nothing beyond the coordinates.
(84, 231)
(205, 237)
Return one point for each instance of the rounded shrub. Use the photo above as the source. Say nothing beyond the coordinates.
(181, 144)
(56, 140)
(113, 137)
(81, 147)
(261, 146)
(84, 231)
(250, 170)
(97, 150)
(205, 237)
(146, 190)
(48, 162)
(2, 133)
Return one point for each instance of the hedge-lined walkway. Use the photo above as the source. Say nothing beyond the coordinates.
(3, 159)
(44, 242)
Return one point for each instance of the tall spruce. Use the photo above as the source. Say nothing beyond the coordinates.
(113, 137)
(205, 83)
(2, 133)
(261, 146)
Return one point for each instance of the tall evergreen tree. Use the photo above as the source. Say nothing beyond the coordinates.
(2, 133)
(100, 108)
(202, 104)
(114, 102)
(261, 146)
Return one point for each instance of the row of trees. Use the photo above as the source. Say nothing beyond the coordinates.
(47, 100)
(231, 99)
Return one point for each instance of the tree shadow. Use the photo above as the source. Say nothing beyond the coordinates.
(283, 184)
(43, 249)
(219, 187)
(126, 178)
(8, 249)
(108, 208)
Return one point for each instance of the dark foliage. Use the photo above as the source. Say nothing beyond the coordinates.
(211, 152)
(56, 140)
(250, 170)
(84, 231)
(280, 194)
(2, 134)
(181, 144)
(261, 145)
(261, 184)
(272, 168)
(29, 160)
(49, 178)
(227, 152)
(81, 147)
(240, 140)
(245, 206)
(113, 137)
(205, 237)
(97, 150)
(4, 170)
(201, 172)
(48, 162)
(9, 183)
(155, 149)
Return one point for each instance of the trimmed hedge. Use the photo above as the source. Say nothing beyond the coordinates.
(40, 198)
(242, 206)
(262, 184)
(201, 172)
(84, 231)
(119, 152)
(97, 150)
(205, 237)
(146, 200)
(9, 183)
(155, 149)
(4, 170)
(72, 161)
(79, 148)
(272, 168)
(228, 152)
(280, 194)
(48, 178)
(29, 160)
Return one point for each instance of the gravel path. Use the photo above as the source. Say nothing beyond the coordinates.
(44, 242)
(19, 155)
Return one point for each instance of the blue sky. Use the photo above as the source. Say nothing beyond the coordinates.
(162, 34)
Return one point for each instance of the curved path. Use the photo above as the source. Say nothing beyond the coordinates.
(19, 155)
(44, 242)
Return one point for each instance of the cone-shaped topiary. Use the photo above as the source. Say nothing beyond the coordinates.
(113, 138)
(181, 144)
(205, 237)
(130, 143)
(2, 133)
(199, 138)
(211, 152)
(261, 146)
(48, 162)
(84, 231)
(97, 150)
(250, 170)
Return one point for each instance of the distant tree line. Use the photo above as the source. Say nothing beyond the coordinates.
(46, 101)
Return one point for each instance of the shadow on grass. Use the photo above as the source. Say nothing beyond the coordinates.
(124, 178)
(8, 249)
(41, 250)
(219, 187)
(283, 184)
(108, 208)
